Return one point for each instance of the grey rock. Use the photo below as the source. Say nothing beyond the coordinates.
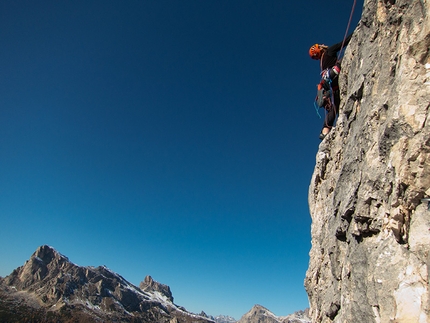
(259, 314)
(369, 260)
(151, 285)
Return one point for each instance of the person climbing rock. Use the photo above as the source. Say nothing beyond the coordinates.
(328, 89)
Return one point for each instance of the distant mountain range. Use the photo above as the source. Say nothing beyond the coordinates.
(219, 318)
(223, 319)
(49, 288)
(260, 314)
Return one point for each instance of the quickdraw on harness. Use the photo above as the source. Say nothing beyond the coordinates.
(325, 93)
(325, 97)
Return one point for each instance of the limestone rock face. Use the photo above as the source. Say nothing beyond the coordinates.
(369, 260)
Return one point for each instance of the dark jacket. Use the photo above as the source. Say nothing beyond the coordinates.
(329, 58)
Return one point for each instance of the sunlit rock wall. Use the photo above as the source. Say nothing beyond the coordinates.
(369, 260)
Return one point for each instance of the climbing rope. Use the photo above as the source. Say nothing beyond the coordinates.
(338, 58)
(347, 28)
(333, 105)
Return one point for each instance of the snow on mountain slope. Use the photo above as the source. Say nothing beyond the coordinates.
(55, 285)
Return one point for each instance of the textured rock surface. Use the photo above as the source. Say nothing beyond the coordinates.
(50, 288)
(150, 285)
(259, 314)
(369, 260)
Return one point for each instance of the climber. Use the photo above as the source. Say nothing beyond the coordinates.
(328, 89)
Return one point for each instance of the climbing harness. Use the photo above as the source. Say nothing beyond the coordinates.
(325, 96)
(325, 93)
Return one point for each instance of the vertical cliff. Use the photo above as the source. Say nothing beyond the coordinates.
(370, 260)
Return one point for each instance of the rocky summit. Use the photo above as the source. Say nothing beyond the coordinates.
(369, 260)
(260, 314)
(223, 319)
(50, 288)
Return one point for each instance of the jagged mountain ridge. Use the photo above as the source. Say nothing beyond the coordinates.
(260, 314)
(51, 287)
(219, 318)
(369, 260)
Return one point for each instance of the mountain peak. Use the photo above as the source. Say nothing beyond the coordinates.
(45, 251)
(47, 254)
(259, 314)
(259, 308)
(49, 282)
(150, 285)
(224, 319)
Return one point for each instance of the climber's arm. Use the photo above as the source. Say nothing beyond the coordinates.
(333, 49)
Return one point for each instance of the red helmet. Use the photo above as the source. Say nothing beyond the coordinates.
(315, 51)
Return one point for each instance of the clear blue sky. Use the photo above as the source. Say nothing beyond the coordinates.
(167, 138)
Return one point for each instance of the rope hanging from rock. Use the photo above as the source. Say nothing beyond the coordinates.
(347, 28)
